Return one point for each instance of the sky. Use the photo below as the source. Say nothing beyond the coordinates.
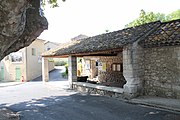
(93, 17)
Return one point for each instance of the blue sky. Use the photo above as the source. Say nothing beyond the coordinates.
(93, 17)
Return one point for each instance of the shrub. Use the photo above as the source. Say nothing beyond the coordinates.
(60, 63)
(65, 74)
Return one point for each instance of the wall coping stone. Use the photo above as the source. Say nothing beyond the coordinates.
(100, 87)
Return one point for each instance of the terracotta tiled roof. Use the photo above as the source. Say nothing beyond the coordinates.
(150, 35)
(167, 34)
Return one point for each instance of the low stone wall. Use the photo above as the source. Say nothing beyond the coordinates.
(98, 89)
(162, 72)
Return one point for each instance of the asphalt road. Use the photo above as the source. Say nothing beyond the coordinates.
(38, 101)
(54, 75)
(53, 101)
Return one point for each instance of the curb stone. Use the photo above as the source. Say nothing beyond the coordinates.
(10, 84)
(163, 107)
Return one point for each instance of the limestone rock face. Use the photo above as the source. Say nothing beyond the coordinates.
(20, 24)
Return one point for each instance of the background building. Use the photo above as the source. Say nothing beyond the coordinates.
(49, 45)
(25, 64)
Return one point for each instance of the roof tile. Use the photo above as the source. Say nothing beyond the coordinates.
(153, 34)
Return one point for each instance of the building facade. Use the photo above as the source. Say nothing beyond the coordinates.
(25, 64)
(50, 45)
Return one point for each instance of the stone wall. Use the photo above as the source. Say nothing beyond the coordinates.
(72, 70)
(133, 69)
(162, 72)
(114, 78)
(90, 90)
(108, 77)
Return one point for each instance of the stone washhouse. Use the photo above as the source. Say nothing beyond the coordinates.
(141, 60)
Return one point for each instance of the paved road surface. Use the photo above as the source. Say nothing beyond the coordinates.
(54, 75)
(38, 101)
(53, 101)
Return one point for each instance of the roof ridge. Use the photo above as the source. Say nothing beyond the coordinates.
(112, 40)
(170, 21)
(123, 29)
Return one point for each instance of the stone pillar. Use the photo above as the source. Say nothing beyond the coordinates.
(133, 69)
(45, 71)
(72, 70)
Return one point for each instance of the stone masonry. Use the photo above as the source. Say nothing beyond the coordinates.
(133, 69)
(150, 58)
(108, 77)
(72, 69)
(162, 72)
(147, 71)
(90, 90)
(113, 78)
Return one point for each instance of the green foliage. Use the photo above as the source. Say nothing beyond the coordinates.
(66, 69)
(174, 15)
(60, 63)
(152, 17)
(53, 3)
(50, 60)
(65, 74)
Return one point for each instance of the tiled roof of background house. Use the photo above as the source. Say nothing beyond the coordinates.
(103, 42)
(167, 34)
(152, 34)
(55, 43)
(81, 36)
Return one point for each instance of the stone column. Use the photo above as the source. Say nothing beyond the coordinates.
(45, 71)
(72, 70)
(133, 69)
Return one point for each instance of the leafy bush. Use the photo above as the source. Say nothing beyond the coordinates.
(50, 60)
(65, 74)
(60, 63)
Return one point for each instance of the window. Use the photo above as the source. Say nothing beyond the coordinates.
(114, 67)
(117, 67)
(87, 64)
(16, 57)
(48, 49)
(33, 52)
(96, 63)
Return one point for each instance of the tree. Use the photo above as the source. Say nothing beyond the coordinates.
(20, 23)
(152, 17)
(53, 3)
(174, 15)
